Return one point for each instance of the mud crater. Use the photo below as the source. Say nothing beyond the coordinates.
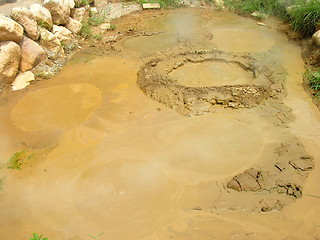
(156, 81)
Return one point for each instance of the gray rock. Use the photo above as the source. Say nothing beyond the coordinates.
(31, 54)
(62, 33)
(59, 9)
(74, 25)
(10, 30)
(316, 38)
(80, 14)
(22, 80)
(51, 44)
(27, 20)
(43, 16)
(10, 55)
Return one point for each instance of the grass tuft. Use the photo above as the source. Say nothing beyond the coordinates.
(18, 158)
(270, 7)
(314, 81)
(304, 16)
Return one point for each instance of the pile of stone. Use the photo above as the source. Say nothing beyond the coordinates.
(36, 34)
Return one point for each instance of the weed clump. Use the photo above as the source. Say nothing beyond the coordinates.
(18, 158)
(304, 16)
(271, 7)
(301, 14)
(314, 80)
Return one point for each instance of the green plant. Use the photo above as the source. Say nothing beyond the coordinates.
(37, 237)
(18, 158)
(96, 237)
(97, 37)
(271, 7)
(97, 19)
(113, 27)
(304, 16)
(43, 24)
(314, 80)
(85, 30)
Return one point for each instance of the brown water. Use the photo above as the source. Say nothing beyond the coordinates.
(207, 74)
(115, 162)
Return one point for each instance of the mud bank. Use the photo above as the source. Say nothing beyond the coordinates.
(120, 165)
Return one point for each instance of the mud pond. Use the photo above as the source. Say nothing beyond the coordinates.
(196, 128)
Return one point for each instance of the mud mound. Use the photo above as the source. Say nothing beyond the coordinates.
(285, 177)
(155, 82)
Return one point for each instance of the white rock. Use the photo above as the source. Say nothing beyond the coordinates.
(10, 30)
(219, 3)
(74, 25)
(43, 16)
(151, 5)
(51, 43)
(117, 10)
(27, 20)
(22, 80)
(10, 55)
(80, 14)
(260, 15)
(93, 11)
(31, 54)
(105, 26)
(316, 38)
(59, 9)
(62, 33)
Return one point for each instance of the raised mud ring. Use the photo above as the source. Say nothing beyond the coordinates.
(283, 177)
(154, 81)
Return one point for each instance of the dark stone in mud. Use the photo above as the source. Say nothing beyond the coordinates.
(154, 81)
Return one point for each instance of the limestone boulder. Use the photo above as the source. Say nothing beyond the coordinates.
(27, 20)
(60, 10)
(316, 38)
(10, 30)
(51, 43)
(22, 80)
(42, 15)
(74, 25)
(80, 14)
(31, 54)
(10, 54)
(62, 33)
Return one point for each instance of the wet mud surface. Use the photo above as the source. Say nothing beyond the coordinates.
(145, 137)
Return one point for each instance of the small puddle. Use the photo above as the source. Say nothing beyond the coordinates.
(241, 40)
(151, 43)
(58, 107)
(207, 74)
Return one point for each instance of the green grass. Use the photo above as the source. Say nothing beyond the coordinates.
(314, 80)
(305, 16)
(18, 158)
(97, 19)
(271, 7)
(85, 30)
(94, 20)
(37, 237)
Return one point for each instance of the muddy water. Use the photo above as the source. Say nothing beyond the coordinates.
(211, 74)
(118, 165)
